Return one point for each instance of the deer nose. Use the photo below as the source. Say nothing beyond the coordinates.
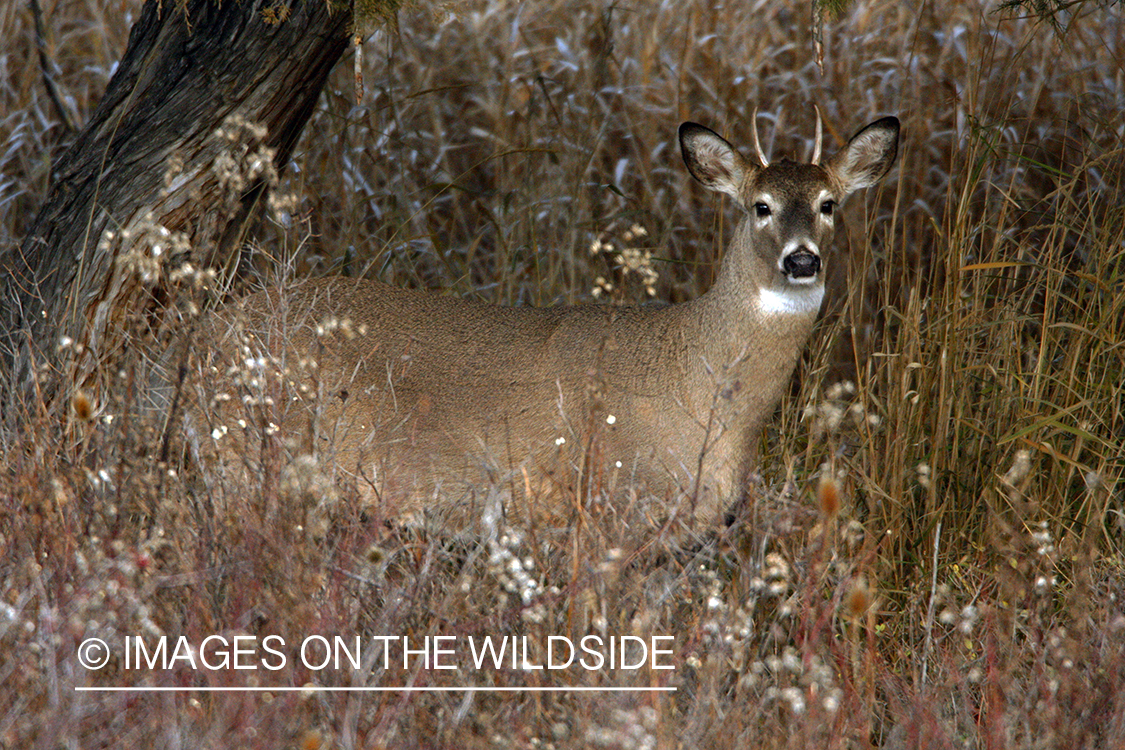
(802, 263)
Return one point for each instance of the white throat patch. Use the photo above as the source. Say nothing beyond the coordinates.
(795, 300)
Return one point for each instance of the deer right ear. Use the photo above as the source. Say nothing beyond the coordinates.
(711, 160)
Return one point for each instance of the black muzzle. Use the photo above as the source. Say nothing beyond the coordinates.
(801, 264)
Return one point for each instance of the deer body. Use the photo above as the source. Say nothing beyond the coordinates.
(441, 396)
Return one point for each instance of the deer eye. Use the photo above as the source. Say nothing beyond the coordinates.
(827, 207)
(762, 210)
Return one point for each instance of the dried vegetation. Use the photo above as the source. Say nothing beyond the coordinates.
(933, 559)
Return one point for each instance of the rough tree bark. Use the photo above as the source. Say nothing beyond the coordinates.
(172, 164)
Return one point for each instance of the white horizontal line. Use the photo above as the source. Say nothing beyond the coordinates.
(435, 689)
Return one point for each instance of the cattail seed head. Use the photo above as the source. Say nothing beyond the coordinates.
(858, 600)
(83, 409)
(312, 740)
(828, 496)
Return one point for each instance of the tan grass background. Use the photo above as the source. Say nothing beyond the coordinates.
(967, 593)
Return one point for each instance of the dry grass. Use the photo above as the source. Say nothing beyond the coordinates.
(934, 559)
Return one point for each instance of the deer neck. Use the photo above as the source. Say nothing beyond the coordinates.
(758, 323)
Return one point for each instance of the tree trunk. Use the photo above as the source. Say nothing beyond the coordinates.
(169, 169)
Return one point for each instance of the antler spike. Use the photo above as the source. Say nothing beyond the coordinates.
(819, 137)
(757, 145)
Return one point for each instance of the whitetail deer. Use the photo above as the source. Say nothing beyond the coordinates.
(441, 397)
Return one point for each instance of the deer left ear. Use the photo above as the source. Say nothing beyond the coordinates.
(867, 158)
(712, 161)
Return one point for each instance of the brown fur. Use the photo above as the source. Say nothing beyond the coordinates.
(441, 398)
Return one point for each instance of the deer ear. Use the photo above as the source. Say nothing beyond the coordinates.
(867, 157)
(712, 161)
